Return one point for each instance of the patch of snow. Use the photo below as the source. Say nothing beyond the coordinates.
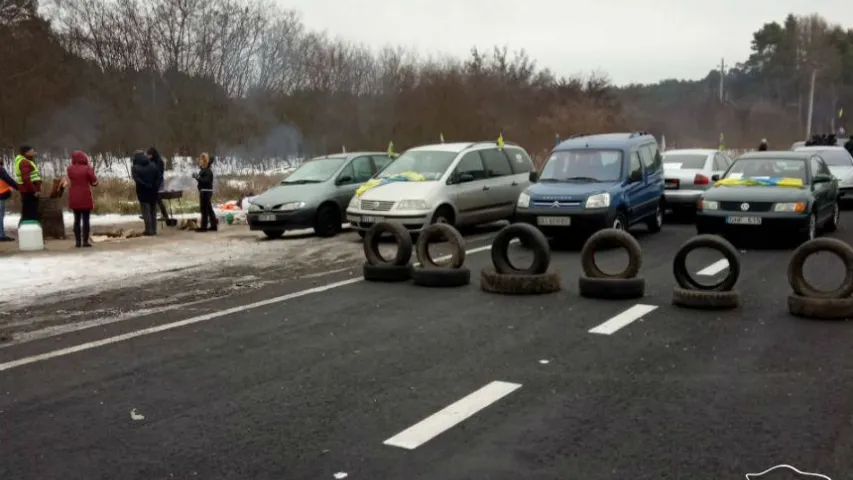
(10, 223)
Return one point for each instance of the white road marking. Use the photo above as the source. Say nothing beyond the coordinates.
(714, 268)
(189, 321)
(623, 319)
(443, 420)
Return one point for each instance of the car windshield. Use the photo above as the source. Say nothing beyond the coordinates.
(767, 167)
(315, 171)
(430, 163)
(586, 165)
(835, 157)
(684, 160)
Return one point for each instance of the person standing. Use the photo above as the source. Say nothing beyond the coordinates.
(762, 147)
(7, 184)
(147, 181)
(155, 158)
(28, 177)
(205, 178)
(80, 201)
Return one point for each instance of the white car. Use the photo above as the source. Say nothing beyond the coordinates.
(687, 174)
(465, 184)
(840, 163)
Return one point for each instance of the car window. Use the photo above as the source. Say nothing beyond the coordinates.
(636, 167)
(583, 165)
(819, 167)
(647, 157)
(381, 161)
(362, 169)
(520, 161)
(497, 165)
(836, 157)
(676, 161)
(471, 164)
(767, 167)
(720, 163)
(658, 158)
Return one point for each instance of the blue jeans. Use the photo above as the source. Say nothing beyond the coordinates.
(2, 217)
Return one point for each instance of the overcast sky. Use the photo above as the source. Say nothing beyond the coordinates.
(630, 40)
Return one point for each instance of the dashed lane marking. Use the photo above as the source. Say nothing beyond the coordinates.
(455, 413)
(714, 268)
(623, 319)
(189, 321)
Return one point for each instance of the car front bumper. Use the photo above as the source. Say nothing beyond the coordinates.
(682, 198)
(294, 220)
(772, 223)
(414, 221)
(580, 220)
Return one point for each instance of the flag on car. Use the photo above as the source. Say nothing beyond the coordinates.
(663, 143)
(343, 148)
(558, 139)
(840, 112)
(501, 140)
(722, 142)
(391, 150)
(441, 137)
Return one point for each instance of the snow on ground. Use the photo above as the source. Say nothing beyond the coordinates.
(12, 219)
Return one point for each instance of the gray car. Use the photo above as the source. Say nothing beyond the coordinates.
(687, 174)
(315, 195)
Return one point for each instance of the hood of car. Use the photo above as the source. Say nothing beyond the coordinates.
(565, 191)
(756, 194)
(396, 191)
(290, 193)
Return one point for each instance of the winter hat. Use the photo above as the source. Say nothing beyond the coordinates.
(79, 157)
(24, 149)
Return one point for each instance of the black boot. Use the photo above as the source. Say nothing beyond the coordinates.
(86, 238)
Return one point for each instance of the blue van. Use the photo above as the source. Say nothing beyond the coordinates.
(590, 182)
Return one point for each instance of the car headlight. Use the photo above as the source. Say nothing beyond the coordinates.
(354, 203)
(254, 208)
(523, 201)
(290, 206)
(600, 200)
(411, 205)
(709, 205)
(798, 207)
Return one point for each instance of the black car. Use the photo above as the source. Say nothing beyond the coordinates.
(781, 193)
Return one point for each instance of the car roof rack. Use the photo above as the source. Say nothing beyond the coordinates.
(639, 134)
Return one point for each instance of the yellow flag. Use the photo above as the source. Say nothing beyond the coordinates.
(841, 112)
(391, 149)
(501, 140)
(441, 136)
(722, 142)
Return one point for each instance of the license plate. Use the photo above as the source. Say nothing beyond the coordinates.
(671, 186)
(743, 220)
(372, 219)
(554, 221)
(266, 218)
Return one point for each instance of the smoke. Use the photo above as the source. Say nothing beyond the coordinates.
(282, 141)
(72, 127)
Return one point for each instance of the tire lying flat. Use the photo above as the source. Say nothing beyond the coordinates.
(387, 273)
(607, 239)
(705, 300)
(798, 281)
(519, 284)
(401, 236)
(611, 288)
(441, 277)
(821, 308)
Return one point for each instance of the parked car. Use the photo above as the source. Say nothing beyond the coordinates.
(687, 173)
(463, 184)
(781, 193)
(840, 163)
(592, 182)
(315, 195)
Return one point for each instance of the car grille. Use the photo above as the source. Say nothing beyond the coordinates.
(753, 206)
(376, 206)
(554, 204)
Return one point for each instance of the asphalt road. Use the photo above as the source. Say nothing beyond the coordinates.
(354, 380)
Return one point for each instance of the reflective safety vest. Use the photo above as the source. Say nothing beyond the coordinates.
(35, 176)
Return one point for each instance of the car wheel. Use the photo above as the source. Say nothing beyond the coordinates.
(328, 221)
(273, 234)
(832, 223)
(362, 234)
(656, 222)
(443, 215)
(619, 223)
(811, 230)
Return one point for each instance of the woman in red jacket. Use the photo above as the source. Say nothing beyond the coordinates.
(82, 178)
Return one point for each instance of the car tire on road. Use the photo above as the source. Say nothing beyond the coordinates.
(401, 236)
(519, 284)
(441, 277)
(529, 236)
(273, 234)
(454, 239)
(715, 242)
(811, 232)
(797, 279)
(655, 223)
(611, 288)
(327, 223)
(611, 238)
(705, 300)
(387, 273)
(821, 308)
(832, 223)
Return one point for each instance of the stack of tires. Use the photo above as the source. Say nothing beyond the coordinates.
(809, 302)
(378, 268)
(505, 278)
(691, 294)
(434, 273)
(595, 283)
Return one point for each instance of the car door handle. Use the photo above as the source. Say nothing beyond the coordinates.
(485, 187)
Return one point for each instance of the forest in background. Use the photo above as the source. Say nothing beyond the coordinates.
(246, 78)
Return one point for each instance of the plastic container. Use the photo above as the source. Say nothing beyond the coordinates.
(30, 236)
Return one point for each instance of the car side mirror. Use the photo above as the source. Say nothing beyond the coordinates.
(715, 177)
(822, 179)
(636, 177)
(534, 176)
(465, 177)
(344, 179)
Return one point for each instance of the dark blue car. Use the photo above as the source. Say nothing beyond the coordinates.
(591, 182)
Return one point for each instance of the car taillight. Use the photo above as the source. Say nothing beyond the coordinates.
(700, 179)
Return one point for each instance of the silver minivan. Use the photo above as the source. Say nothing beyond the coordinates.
(459, 183)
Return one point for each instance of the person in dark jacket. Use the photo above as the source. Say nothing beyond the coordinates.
(155, 158)
(205, 178)
(82, 178)
(147, 180)
(848, 145)
(7, 184)
(762, 147)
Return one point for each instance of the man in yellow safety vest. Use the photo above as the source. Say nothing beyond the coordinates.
(29, 182)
